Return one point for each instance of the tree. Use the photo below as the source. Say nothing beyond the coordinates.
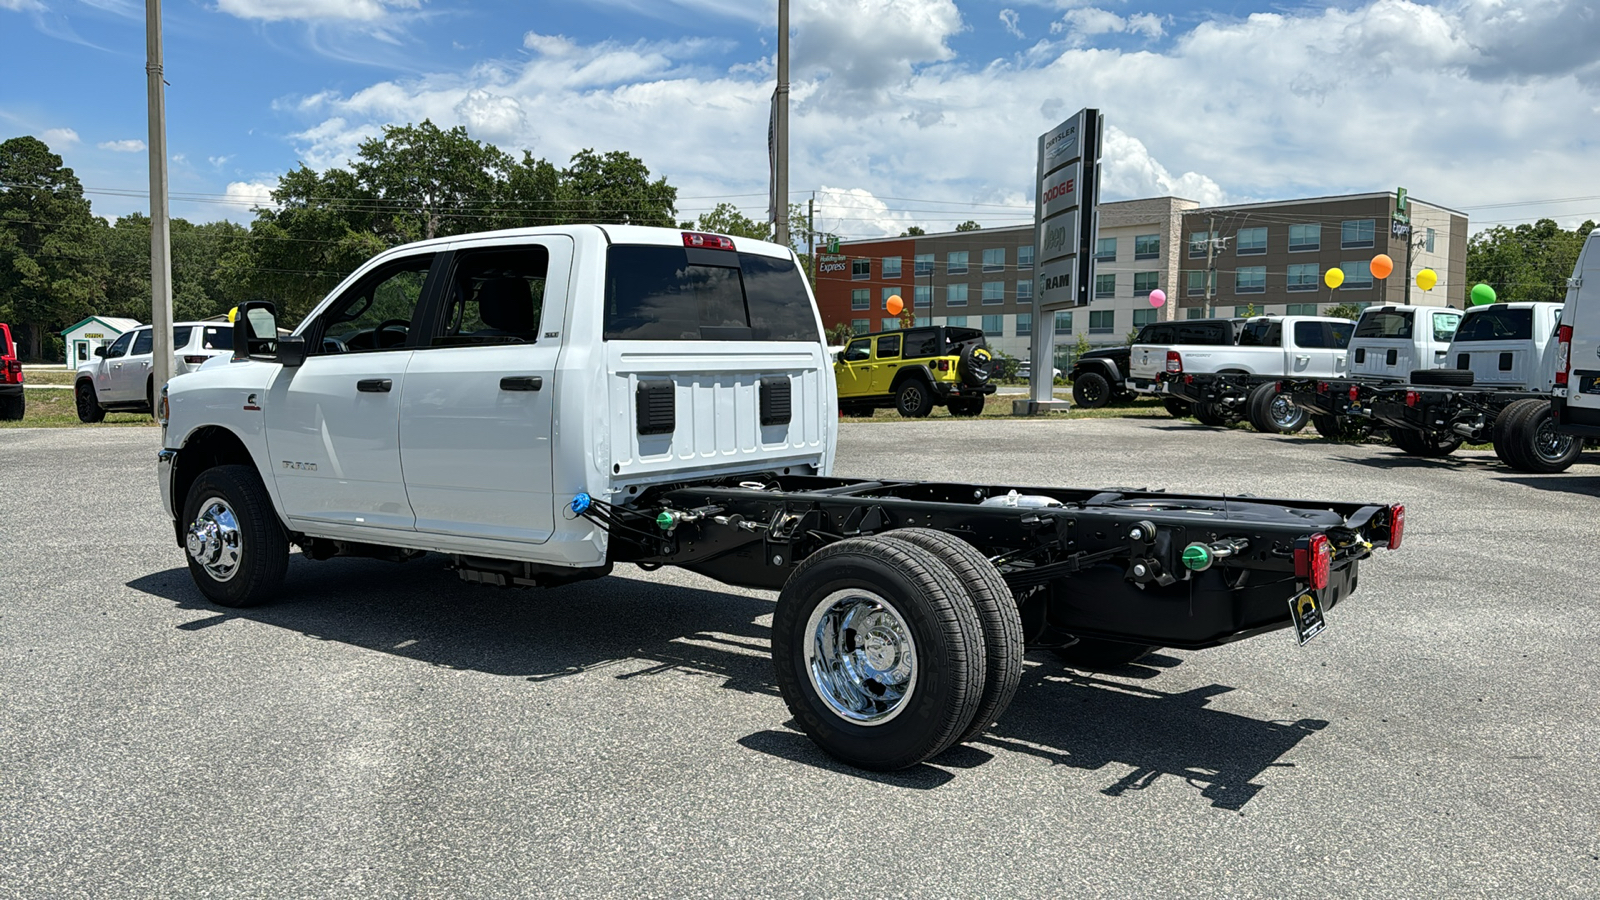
(52, 269)
(429, 182)
(841, 333)
(969, 225)
(1343, 311)
(614, 187)
(913, 231)
(1528, 262)
(727, 219)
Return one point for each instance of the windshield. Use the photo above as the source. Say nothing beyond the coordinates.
(663, 293)
(1496, 325)
(1390, 324)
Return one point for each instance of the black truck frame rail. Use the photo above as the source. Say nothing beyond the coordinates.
(1186, 571)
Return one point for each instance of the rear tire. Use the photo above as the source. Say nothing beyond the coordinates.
(1536, 446)
(1499, 437)
(914, 399)
(12, 409)
(89, 408)
(236, 548)
(878, 652)
(1417, 443)
(1211, 414)
(1178, 409)
(997, 615)
(1091, 390)
(1273, 412)
(1097, 654)
(1342, 428)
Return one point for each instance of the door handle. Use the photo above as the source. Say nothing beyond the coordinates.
(374, 385)
(521, 383)
(1302, 359)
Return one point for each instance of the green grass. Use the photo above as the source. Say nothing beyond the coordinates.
(56, 409)
(48, 376)
(998, 406)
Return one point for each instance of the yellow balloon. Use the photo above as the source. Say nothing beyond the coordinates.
(233, 314)
(1427, 278)
(1333, 277)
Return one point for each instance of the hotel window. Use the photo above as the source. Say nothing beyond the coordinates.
(891, 267)
(955, 262)
(1355, 234)
(1251, 241)
(921, 321)
(860, 298)
(994, 260)
(922, 296)
(1025, 290)
(1025, 256)
(994, 292)
(1357, 275)
(860, 326)
(1305, 237)
(1145, 282)
(1143, 317)
(1250, 280)
(955, 295)
(922, 264)
(1194, 283)
(1105, 250)
(1427, 243)
(1197, 312)
(1102, 321)
(1105, 286)
(1147, 246)
(860, 269)
(994, 326)
(1024, 324)
(889, 324)
(957, 321)
(1197, 243)
(1300, 309)
(1303, 277)
(1063, 323)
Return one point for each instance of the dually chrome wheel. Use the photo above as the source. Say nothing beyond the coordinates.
(215, 540)
(861, 657)
(1284, 413)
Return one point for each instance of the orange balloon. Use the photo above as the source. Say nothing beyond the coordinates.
(1382, 265)
(894, 304)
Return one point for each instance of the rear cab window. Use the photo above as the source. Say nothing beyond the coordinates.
(665, 293)
(1261, 334)
(1496, 325)
(1386, 324)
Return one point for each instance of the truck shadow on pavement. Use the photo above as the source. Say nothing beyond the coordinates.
(638, 628)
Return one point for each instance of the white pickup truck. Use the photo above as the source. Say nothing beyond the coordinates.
(1392, 341)
(539, 405)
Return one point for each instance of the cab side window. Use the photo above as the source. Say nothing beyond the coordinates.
(120, 347)
(1444, 326)
(142, 341)
(377, 313)
(858, 350)
(495, 296)
(919, 344)
(889, 346)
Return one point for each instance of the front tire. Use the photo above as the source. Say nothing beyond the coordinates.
(89, 409)
(236, 548)
(914, 399)
(1178, 409)
(1091, 390)
(1211, 414)
(12, 409)
(878, 653)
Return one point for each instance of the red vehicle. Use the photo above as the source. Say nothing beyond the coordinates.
(12, 404)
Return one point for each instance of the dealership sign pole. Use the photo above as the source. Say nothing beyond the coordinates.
(1066, 221)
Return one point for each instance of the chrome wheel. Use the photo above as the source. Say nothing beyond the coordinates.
(1551, 445)
(861, 657)
(1284, 413)
(215, 540)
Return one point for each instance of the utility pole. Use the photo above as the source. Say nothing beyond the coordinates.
(811, 235)
(160, 237)
(780, 130)
(1211, 264)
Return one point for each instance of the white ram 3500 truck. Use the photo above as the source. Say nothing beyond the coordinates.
(542, 404)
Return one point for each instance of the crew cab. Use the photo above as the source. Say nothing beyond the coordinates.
(1100, 376)
(13, 405)
(120, 376)
(1391, 341)
(539, 405)
(1226, 384)
(1148, 357)
(1508, 345)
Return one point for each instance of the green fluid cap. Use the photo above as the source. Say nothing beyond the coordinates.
(1196, 557)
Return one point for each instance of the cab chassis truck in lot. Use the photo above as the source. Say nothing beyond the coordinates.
(542, 404)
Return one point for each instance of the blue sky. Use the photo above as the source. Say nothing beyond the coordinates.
(905, 111)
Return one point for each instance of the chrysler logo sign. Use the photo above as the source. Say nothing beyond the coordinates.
(1062, 143)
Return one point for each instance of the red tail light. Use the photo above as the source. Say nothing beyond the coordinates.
(1322, 387)
(1412, 398)
(1174, 362)
(1283, 386)
(1188, 379)
(1563, 353)
(1397, 525)
(1355, 393)
(944, 365)
(708, 241)
(1313, 560)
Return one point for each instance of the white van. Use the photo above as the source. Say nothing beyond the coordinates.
(1577, 366)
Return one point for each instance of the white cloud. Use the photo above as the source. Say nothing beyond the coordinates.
(247, 195)
(313, 10)
(22, 5)
(132, 145)
(219, 161)
(1264, 107)
(58, 137)
(1008, 18)
(1088, 22)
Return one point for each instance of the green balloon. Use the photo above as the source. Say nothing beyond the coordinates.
(1481, 294)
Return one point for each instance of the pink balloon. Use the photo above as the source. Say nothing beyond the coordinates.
(1158, 297)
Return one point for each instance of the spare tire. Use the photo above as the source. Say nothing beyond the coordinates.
(1442, 377)
(974, 365)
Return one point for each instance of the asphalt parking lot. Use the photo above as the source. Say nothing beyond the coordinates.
(386, 730)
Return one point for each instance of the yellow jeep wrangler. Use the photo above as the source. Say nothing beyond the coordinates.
(915, 370)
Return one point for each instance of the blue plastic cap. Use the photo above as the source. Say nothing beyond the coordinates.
(581, 503)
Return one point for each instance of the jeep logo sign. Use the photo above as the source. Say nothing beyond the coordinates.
(1058, 237)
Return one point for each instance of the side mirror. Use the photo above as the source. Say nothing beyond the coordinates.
(255, 334)
(100, 352)
(291, 351)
